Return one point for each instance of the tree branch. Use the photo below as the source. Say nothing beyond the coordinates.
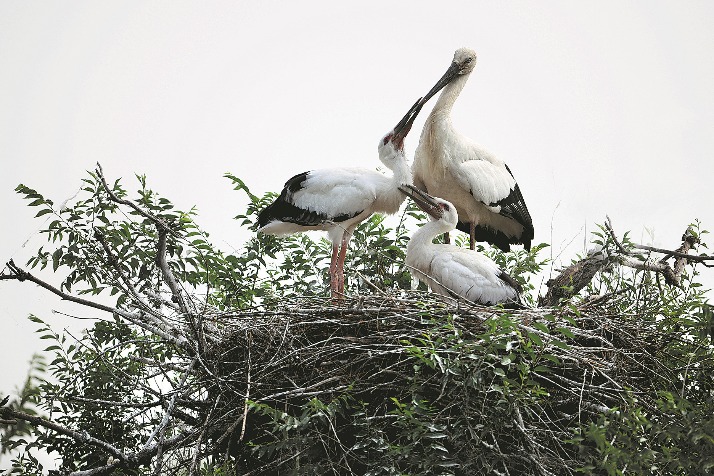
(158, 221)
(575, 277)
(83, 437)
(177, 297)
(133, 460)
(22, 275)
(114, 263)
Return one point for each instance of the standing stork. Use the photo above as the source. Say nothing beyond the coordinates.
(480, 185)
(336, 200)
(452, 270)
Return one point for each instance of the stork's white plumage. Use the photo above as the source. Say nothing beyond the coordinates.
(452, 270)
(336, 200)
(481, 186)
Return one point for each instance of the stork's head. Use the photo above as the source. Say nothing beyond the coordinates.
(393, 143)
(437, 208)
(464, 60)
(463, 63)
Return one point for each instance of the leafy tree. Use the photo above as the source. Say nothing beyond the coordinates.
(207, 362)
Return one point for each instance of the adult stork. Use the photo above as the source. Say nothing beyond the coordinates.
(453, 270)
(336, 200)
(480, 185)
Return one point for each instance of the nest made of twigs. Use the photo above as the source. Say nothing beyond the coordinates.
(371, 347)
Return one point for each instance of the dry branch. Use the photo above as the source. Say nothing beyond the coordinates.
(578, 275)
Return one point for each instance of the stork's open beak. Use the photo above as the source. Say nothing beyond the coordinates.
(450, 74)
(404, 126)
(423, 200)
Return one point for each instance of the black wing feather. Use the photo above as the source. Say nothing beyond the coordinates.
(283, 208)
(514, 207)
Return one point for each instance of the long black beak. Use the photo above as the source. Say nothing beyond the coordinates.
(423, 200)
(450, 74)
(404, 126)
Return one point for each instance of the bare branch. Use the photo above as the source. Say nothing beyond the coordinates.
(676, 254)
(656, 266)
(574, 278)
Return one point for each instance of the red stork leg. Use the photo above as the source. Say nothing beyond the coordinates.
(447, 239)
(472, 235)
(341, 267)
(333, 271)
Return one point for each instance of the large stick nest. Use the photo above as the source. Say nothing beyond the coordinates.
(475, 366)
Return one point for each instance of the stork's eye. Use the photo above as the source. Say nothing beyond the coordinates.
(386, 139)
(445, 207)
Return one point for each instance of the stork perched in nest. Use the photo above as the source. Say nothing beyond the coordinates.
(479, 184)
(336, 200)
(453, 270)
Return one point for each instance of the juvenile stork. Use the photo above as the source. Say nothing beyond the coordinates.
(480, 185)
(453, 270)
(336, 200)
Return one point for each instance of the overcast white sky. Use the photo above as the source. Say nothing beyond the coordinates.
(598, 108)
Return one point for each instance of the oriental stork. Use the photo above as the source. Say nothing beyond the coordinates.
(453, 270)
(480, 185)
(336, 200)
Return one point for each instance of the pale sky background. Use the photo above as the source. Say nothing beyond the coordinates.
(598, 108)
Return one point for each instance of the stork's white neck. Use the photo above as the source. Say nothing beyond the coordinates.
(389, 198)
(449, 94)
(396, 161)
(426, 234)
(401, 170)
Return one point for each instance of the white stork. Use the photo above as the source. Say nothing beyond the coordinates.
(480, 185)
(336, 200)
(452, 270)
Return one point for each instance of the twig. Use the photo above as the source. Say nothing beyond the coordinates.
(158, 431)
(158, 221)
(247, 390)
(114, 263)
